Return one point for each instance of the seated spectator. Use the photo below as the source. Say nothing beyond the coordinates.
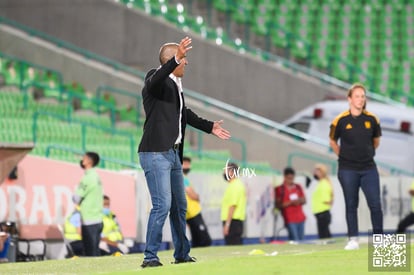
(111, 240)
(77, 93)
(128, 113)
(109, 101)
(12, 75)
(49, 85)
(30, 75)
(4, 246)
(72, 232)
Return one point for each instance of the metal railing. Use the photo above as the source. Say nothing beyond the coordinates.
(302, 155)
(102, 162)
(23, 65)
(101, 89)
(84, 128)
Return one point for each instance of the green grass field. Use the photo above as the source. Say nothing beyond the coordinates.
(290, 259)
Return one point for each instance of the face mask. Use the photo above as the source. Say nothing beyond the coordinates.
(186, 171)
(315, 177)
(82, 165)
(106, 211)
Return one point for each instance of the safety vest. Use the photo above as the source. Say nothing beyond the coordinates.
(111, 229)
(70, 229)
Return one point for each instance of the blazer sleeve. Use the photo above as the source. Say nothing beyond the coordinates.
(198, 122)
(154, 79)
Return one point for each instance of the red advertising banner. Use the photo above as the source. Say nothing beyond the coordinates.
(41, 197)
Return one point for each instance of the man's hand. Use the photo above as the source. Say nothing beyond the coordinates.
(183, 48)
(220, 132)
(226, 230)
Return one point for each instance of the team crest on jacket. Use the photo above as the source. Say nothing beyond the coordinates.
(368, 124)
(348, 126)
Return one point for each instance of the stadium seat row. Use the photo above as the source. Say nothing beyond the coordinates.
(334, 36)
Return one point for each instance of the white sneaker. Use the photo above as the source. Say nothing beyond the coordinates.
(352, 245)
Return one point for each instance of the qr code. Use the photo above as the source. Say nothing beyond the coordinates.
(389, 251)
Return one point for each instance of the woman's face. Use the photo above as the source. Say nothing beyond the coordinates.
(357, 98)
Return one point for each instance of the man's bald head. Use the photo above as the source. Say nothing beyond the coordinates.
(167, 51)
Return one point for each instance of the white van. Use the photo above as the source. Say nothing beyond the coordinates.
(397, 142)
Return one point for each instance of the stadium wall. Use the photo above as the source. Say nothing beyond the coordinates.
(133, 38)
(73, 67)
(40, 199)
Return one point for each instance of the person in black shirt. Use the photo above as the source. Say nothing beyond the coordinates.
(161, 150)
(359, 133)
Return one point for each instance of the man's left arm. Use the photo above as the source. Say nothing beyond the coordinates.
(207, 126)
(197, 122)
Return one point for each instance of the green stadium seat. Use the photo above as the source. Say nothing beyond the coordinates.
(300, 48)
(304, 23)
(279, 37)
(223, 5)
(323, 25)
(320, 55)
(242, 12)
(260, 23)
(333, 5)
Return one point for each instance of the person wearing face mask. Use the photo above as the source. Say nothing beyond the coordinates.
(199, 233)
(111, 237)
(88, 196)
(322, 199)
(233, 206)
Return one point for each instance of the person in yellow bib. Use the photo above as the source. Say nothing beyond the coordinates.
(233, 206)
(199, 233)
(111, 236)
(322, 199)
(409, 219)
(73, 232)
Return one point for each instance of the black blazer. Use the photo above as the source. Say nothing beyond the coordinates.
(162, 110)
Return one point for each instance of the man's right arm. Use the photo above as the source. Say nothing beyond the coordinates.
(153, 80)
(81, 191)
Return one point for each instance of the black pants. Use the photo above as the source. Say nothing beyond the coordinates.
(323, 220)
(77, 248)
(235, 233)
(91, 235)
(406, 222)
(199, 233)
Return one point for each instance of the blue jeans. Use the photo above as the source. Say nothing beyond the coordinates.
(3, 253)
(296, 231)
(368, 181)
(164, 176)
